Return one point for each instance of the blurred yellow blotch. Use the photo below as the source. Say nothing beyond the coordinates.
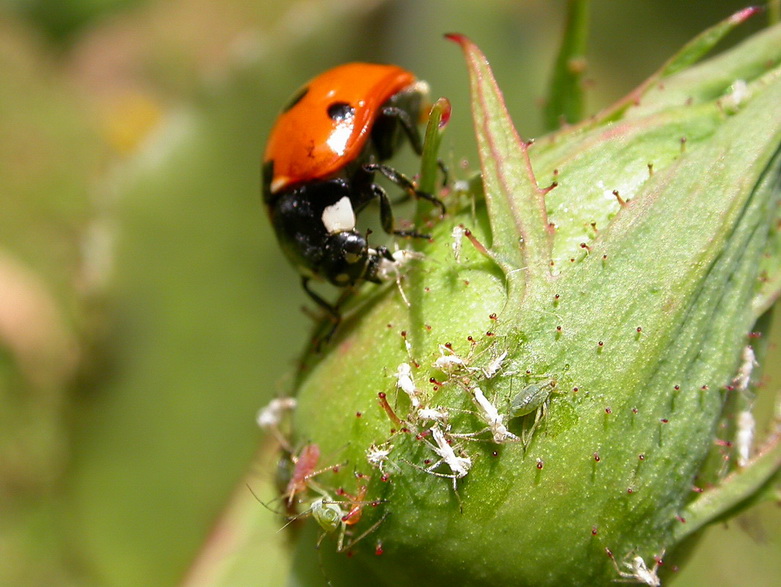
(32, 326)
(128, 119)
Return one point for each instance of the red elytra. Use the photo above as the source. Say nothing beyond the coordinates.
(307, 143)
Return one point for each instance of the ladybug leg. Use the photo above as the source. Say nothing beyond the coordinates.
(403, 182)
(333, 311)
(411, 130)
(386, 215)
(445, 172)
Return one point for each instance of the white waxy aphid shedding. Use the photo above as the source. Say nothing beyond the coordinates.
(269, 418)
(739, 93)
(386, 268)
(744, 438)
(491, 416)
(459, 465)
(271, 415)
(377, 456)
(435, 414)
(492, 368)
(406, 384)
(458, 236)
(448, 361)
(748, 359)
(400, 258)
(638, 571)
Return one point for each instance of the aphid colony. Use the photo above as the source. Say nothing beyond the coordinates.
(302, 481)
(335, 511)
(431, 424)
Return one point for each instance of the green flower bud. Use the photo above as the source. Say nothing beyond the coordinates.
(541, 406)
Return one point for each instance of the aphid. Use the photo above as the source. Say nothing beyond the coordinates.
(532, 398)
(305, 465)
(459, 465)
(493, 367)
(332, 517)
(457, 235)
(638, 570)
(406, 384)
(738, 93)
(353, 516)
(742, 380)
(448, 360)
(270, 417)
(435, 414)
(304, 471)
(377, 455)
(401, 258)
(744, 438)
(491, 416)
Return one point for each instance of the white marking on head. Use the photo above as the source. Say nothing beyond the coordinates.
(339, 217)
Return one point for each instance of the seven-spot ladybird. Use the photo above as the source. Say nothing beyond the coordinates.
(320, 164)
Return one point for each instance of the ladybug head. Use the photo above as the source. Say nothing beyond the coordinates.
(347, 258)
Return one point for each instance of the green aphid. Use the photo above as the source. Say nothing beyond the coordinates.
(532, 398)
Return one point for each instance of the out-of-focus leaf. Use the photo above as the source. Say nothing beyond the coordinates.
(565, 103)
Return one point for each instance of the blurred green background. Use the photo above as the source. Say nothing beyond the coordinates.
(145, 312)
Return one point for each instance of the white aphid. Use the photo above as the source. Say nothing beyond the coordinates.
(493, 367)
(270, 416)
(406, 384)
(460, 185)
(748, 361)
(459, 465)
(448, 361)
(437, 414)
(640, 571)
(458, 236)
(739, 93)
(377, 456)
(408, 346)
(386, 268)
(491, 416)
(744, 439)
(401, 257)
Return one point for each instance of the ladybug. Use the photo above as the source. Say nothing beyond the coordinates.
(319, 170)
